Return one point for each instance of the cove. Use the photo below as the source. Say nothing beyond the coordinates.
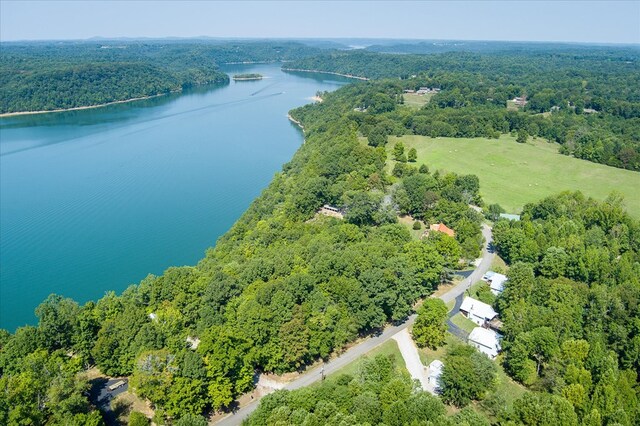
(94, 200)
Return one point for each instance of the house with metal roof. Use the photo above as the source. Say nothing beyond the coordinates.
(435, 371)
(477, 311)
(486, 341)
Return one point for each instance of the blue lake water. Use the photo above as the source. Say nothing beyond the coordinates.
(95, 200)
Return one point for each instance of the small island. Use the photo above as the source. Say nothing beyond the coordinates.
(245, 77)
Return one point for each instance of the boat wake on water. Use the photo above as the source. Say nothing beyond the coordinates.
(268, 86)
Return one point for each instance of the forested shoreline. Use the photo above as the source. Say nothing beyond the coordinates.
(46, 77)
(286, 286)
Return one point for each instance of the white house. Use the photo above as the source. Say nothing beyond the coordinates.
(497, 284)
(486, 341)
(435, 371)
(487, 277)
(496, 281)
(477, 311)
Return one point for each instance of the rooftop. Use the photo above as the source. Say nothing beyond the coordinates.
(485, 337)
(478, 308)
(435, 368)
(441, 227)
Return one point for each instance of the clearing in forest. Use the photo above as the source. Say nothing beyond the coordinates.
(415, 100)
(513, 174)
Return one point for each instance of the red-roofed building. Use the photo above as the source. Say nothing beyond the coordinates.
(441, 227)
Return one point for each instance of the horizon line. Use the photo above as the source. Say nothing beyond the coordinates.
(231, 38)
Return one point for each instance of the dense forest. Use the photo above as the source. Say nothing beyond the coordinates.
(587, 101)
(49, 76)
(287, 286)
(571, 307)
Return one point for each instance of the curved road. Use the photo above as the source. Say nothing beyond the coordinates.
(355, 352)
(451, 327)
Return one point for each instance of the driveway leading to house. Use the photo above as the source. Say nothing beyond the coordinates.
(451, 327)
(412, 358)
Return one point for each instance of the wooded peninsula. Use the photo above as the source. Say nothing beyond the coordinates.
(289, 285)
(242, 77)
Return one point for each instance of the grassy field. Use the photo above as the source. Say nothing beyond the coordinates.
(414, 100)
(498, 265)
(513, 174)
(429, 355)
(408, 221)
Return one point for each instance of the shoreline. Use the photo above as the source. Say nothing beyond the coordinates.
(296, 122)
(251, 62)
(80, 108)
(14, 114)
(327, 72)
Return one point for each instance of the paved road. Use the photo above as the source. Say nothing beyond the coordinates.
(451, 327)
(367, 345)
(488, 254)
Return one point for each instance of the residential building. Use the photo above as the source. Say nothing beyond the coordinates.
(477, 311)
(486, 341)
(441, 227)
(496, 281)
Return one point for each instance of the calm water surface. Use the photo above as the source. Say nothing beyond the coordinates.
(95, 200)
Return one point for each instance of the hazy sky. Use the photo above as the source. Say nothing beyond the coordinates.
(586, 21)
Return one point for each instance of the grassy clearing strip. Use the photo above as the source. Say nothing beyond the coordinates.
(390, 347)
(498, 263)
(513, 174)
(464, 323)
(506, 392)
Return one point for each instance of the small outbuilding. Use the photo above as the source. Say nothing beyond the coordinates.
(477, 311)
(332, 211)
(486, 341)
(435, 371)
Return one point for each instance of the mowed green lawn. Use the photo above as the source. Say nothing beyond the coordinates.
(414, 100)
(513, 174)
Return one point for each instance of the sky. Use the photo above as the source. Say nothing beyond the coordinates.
(570, 21)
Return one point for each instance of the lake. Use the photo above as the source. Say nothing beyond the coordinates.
(95, 200)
